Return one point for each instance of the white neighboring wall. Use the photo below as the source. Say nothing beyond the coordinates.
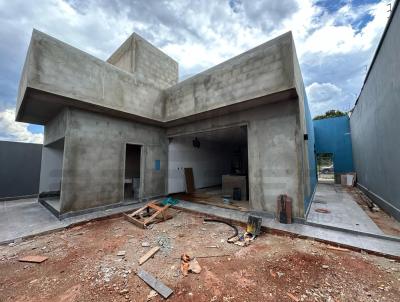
(209, 163)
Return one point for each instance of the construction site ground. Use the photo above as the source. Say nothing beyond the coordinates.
(83, 265)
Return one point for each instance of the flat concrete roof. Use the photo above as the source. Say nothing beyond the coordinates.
(57, 75)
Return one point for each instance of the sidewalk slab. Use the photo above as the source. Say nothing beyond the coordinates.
(385, 247)
(26, 218)
(344, 211)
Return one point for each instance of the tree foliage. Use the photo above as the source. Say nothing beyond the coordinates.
(329, 114)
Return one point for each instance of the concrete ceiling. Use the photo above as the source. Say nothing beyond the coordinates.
(233, 135)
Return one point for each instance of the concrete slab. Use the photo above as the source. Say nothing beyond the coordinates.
(344, 211)
(388, 246)
(26, 218)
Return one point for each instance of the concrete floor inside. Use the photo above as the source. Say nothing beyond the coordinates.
(214, 196)
(334, 207)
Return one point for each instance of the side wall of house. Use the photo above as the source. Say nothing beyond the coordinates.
(274, 152)
(375, 128)
(94, 160)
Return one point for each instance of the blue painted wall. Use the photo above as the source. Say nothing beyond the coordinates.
(311, 154)
(332, 135)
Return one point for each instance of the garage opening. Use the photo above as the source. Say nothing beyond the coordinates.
(132, 173)
(210, 167)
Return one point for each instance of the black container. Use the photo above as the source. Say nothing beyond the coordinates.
(237, 194)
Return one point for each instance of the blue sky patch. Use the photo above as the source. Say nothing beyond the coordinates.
(35, 128)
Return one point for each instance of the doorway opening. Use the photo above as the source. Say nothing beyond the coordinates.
(132, 173)
(325, 168)
(51, 175)
(210, 167)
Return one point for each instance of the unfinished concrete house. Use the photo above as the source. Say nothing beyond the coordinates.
(125, 130)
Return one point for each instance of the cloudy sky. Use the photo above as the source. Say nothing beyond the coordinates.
(335, 39)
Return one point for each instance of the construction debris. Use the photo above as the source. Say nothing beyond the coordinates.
(154, 210)
(121, 253)
(194, 266)
(185, 262)
(252, 230)
(148, 255)
(33, 259)
(151, 295)
(323, 211)
(227, 223)
(338, 249)
(189, 264)
(293, 297)
(155, 284)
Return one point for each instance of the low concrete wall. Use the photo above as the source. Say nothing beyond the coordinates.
(20, 169)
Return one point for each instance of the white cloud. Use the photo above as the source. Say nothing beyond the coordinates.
(332, 38)
(326, 96)
(199, 34)
(15, 131)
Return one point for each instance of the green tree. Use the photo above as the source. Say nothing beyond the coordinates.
(329, 114)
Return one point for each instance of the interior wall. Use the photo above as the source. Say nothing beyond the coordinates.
(209, 163)
(51, 168)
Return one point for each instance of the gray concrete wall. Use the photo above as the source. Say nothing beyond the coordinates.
(274, 151)
(94, 160)
(260, 71)
(55, 67)
(150, 64)
(375, 128)
(56, 128)
(208, 162)
(19, 169)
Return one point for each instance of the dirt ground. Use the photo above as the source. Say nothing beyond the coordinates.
(83, 265)
(386, 223)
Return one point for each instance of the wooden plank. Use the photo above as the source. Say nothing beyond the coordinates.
(338, 249)
(148, 220)
(155, 284)
(189, 180)
(134, 221)
(148, 255)
(155, 207)
(33, 259)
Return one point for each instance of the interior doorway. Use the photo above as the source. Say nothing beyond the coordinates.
(325, 168)
(132, 172)
(218, 164)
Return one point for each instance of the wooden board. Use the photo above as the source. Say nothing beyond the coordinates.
(150, 213)
(33, 259)
(189, 179)
(148, 255)
(155, 284)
